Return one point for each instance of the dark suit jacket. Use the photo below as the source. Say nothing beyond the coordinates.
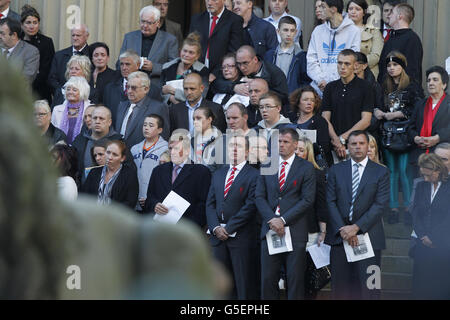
(238, 209)
(56, 77)
(192, 184)
(46, 53)
(179, 116)
(103, 79)
(227, 36)
(26, 56)
(113, 95)
(164, 49)
(372, 200)
(13, 15)
(147, 106)
(440, 125)
(125, 190)
(432, 219)
(295, 201)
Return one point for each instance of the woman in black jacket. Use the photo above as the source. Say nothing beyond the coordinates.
(116, 181)
(305, 104)
(31, 20)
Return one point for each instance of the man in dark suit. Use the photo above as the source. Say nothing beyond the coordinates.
(168, 25)
(131, 114)
(116, 91)
(19, 52)
(283, 199)
(190, 181)
(357, 196)
(5, 11)
(155, 46)
(232, 218)
(221, 32)
(181, 114)
(79, 37)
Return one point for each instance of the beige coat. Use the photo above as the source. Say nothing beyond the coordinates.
(371, 45)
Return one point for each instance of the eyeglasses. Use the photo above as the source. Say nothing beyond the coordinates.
(268, 107)
(228, 66)
(40, 115)
(133, 88)
(150, 23)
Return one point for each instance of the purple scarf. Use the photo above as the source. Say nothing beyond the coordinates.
(65, 119)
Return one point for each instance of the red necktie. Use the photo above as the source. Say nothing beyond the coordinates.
(229, 182)
(282, 182)
(388, 35)
(213, 26)
(1, 16)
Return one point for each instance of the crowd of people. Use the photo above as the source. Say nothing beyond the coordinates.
(262, 133)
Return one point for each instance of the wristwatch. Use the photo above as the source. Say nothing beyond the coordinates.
(342, 140)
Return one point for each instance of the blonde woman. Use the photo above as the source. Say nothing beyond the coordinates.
(373, 152)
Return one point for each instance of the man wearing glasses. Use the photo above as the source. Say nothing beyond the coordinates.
(168, 25)
(155, 46)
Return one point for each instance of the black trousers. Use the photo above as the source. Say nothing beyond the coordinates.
(349, 279)
(295, 265)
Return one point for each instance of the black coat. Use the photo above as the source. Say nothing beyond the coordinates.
(125, 189)
(103, 79)
(319, 213)
(46, 52)
(227, 37)
(55, 135)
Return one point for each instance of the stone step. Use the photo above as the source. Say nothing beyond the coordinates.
(396, 264)
(396, 281)
(397, 230)
(396, 247)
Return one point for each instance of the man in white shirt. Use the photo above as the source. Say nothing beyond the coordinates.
(5, 11)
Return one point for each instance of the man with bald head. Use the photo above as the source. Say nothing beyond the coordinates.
(101, 129)
(257, 88)
(181, 114)
(79, 38)
(251, 66)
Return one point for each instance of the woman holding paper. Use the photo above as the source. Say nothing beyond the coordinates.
(431, 253)
(304, 104)
(178, 68)
(116, 181)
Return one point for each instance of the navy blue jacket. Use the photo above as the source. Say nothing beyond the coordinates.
(297, 75)
(263, 35)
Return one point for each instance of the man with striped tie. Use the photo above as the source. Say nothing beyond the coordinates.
(231, 215)
(283, 200)
(357, 197)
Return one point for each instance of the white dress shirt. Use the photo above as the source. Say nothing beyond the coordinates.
(361, 167)
(125, 120)
(238, 169)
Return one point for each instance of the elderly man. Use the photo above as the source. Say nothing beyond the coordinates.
(18, 52)
(168, 25)
(116, 91)
(155, 46)
(258, 33)
(42, 119)
(131, 114)
(101, 129)
(5, 11)
(79, 37)
(251, 66)
(221, 32)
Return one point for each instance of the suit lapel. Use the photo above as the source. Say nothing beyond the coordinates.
(17, 49)
(156, 45)
(365, 177)
(237, 180)
(138, 42)
(348, 171)
(184, 173)
(440, 112)
(291, 174)
(123, 107)
(137, 117)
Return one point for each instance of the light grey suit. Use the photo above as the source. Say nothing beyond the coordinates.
(26, 57)
(164, 49)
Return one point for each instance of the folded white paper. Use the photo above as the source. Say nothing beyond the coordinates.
(177, 207)
(320, 255)
(176, 84)
(310, 134)
(363, 251)
(277, 244)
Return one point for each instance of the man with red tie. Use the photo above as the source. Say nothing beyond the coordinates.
(221, 32)
(231, 215)
(5, 11)
(283, 200)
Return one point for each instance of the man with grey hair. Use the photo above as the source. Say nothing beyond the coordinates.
(79, 37)
(131, 113)
(168, 25)
(116, 91)
(154, 46)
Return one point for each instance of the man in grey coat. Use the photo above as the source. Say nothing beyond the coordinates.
(156, 47)
(25, 56)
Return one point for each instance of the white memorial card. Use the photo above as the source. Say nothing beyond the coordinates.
(277, 244)
(177, 207)
(361, 252)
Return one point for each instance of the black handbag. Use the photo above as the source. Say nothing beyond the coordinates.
(395, 135)
(316, 279)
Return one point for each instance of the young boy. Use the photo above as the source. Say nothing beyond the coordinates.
(288, 56)
(147, 153)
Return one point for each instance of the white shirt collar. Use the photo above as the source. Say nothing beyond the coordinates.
(75, 50)
(10, 50)
(289, 161)
(219, 15)
(239, 166)
(362, 163)
(5, 13)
